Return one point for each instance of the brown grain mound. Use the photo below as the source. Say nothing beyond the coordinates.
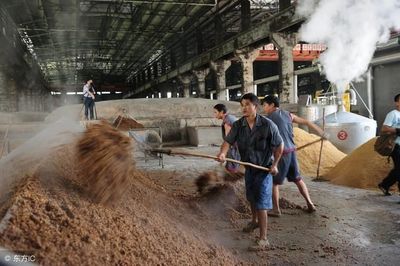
(213, 180)
(148, 227)
(125, 123)
(105, 162)
(208, 181)
(363, 168)
(308, 157)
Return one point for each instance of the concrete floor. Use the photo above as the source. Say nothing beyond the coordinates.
(351, 226)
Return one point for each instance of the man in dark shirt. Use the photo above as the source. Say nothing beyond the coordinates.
(258, 139)
(288, 166)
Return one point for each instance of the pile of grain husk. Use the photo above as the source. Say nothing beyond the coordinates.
(148, 227)
(212, 181)
(126, 123)
(308, 157)
(363, 168)
(105, 162)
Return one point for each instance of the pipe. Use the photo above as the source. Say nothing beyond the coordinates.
(370, 89)
(353, 97)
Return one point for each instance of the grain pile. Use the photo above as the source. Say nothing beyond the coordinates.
(363, 168)
(125, 123)
(105, 162)
(148, 227)
(211, 181)
(308, 157)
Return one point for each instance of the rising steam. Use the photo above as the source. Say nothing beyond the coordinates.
(351, 29)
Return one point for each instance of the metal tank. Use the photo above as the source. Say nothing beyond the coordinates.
(347, 131)
(313, 112)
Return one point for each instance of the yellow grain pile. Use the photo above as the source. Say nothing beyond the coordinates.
(363, 168)
(308, 157)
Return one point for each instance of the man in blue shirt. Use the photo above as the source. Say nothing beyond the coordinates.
(221, 112)
(391, 125)
(288, 165)
(258, 139)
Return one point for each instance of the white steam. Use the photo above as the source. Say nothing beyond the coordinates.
(351, 29)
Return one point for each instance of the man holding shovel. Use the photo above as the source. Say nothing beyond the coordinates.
(88, 99)
(258, 139)
(288, 166)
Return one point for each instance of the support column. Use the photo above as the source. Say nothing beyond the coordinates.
(174, 92)
(247, 57)
(174, 88)
(200, 42)
(186, 79)
(3, 92)
(220, 68)
(285, 43)
(245, 16)
(163, 89)
(219, 29)
(163, 65)
(283, 4)
(12, 96)
(201, 75)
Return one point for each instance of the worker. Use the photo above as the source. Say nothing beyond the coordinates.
(221, 112)
(88, 99)
(288, 165)
(391, 125)
(258, 139)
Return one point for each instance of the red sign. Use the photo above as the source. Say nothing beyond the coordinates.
(342, 135)
(301, 52)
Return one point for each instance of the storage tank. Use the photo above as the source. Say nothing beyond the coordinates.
(347, 131)
(313, 112)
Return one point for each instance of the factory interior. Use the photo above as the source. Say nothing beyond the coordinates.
(121, 120)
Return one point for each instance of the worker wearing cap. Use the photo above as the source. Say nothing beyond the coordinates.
(288, 165)
(258, 139)
(391, 125)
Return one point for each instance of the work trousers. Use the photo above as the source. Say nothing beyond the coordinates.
(89, 103)
(394, 174)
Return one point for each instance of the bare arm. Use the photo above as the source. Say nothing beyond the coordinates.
(223, 151)
(308, 123)
(277, 156)
(388, 130)
(227, 129)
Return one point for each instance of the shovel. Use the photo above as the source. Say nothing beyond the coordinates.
(202, 155)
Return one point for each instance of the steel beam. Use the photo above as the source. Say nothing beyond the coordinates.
(257, 35)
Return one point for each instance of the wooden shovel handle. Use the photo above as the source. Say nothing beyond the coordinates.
(202, 155)
(308, 144)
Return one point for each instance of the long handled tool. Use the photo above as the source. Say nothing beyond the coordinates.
(322, 143)
(196, 154)
(95, 111)
(308, 144)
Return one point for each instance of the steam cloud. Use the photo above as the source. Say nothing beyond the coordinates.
(351, 29)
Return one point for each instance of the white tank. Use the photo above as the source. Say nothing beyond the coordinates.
(347, 131)
(313, 112)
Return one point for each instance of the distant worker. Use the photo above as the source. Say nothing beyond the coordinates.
(258, 139)
(391, 125)
(288, 165)
(221, 112)
(88, 99)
